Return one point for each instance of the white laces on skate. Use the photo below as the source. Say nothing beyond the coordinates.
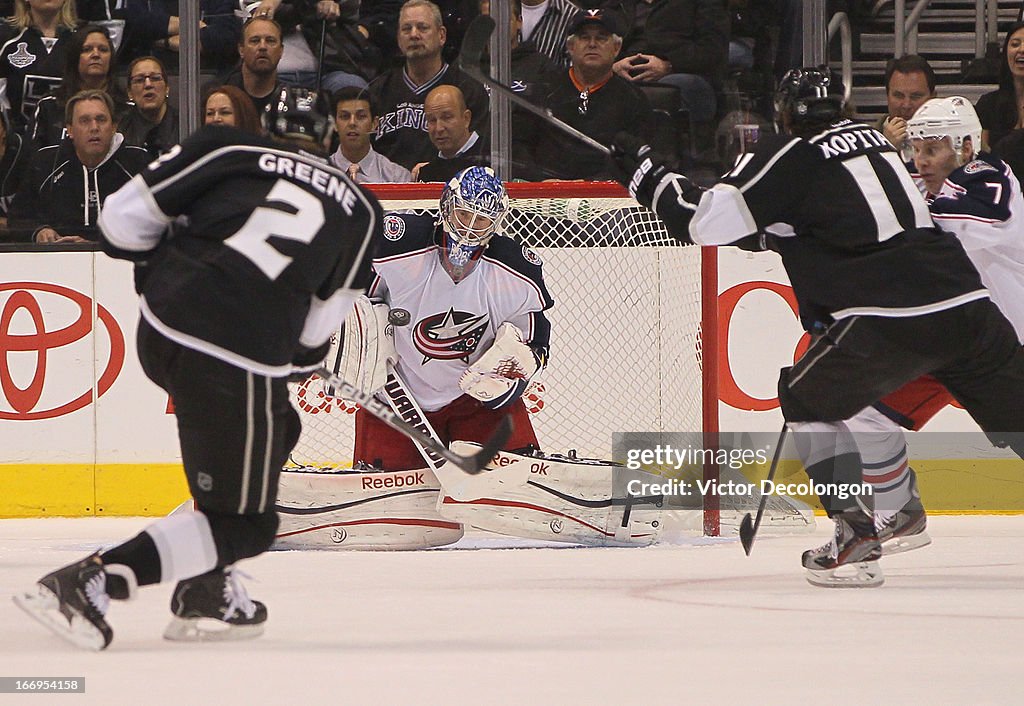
(96, 592)
(831, 548)
(884, 519)
(236, 595)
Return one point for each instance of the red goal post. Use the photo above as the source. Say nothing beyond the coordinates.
(634, 342)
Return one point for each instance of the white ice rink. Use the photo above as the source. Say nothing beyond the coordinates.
(693, 624)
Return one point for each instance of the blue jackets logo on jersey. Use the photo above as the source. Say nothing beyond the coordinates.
(394, 227)
(450, 335)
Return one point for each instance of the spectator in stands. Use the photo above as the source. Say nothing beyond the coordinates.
(153, 27)
(105, 13)
(684, 43)
(909, 84)
(88, 63)
(14, 159)
(546, 24)
(591, 98)
(532, 71)
(349, 58)
(152, 122)
(532, 74)
(33, 43)
(60, 198)
(458, 146)
(1002, 110)
(378, 22)
(355, 118)
(260, 48)
(401, 131)
(228, 105)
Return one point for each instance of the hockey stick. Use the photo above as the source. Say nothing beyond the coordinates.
(477, 35)
(470, 464)
(748, 529)
(404, 404)
(320, 55)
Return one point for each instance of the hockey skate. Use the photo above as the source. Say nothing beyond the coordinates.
(72, 603)
(850, 560)
(905, 530)
(214, 606)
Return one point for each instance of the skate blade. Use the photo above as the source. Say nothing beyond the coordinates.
(209, 630)
(863, 574)
(906, 543)
(44, 606)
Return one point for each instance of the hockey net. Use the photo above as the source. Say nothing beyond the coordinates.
(633, 327)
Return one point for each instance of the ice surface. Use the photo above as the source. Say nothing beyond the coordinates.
(693, 624)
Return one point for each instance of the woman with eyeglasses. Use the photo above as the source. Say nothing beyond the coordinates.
(88, 64)
(33, 45)
(151, 122)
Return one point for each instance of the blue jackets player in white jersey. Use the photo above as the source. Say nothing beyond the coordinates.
(975, 196)
(469, 331)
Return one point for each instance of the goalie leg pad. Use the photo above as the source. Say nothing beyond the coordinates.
(352, 510)
(367, 347)
(555, 498)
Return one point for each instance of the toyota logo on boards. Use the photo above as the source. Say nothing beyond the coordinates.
(45, 327)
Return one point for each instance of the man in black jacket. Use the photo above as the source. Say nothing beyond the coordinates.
(60, 198)
(14, 158)
(683, 43)
(592, 99)
(349, 58)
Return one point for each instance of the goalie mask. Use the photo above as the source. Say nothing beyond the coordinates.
(808, 96)
(473, 205)
(953, 118)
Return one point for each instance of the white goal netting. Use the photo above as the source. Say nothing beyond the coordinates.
(626, 347)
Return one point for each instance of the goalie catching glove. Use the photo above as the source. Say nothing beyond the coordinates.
(368, 346)
(501, 374)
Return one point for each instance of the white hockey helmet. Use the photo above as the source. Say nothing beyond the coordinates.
(952, 117)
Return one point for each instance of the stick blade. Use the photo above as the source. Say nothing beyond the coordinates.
(478, 461)
(747, 533)
(475, 39)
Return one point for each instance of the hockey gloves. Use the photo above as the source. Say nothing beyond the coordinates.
(639, 167)
(503, 372)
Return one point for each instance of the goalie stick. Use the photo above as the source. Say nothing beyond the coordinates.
(470, 464)
(477, 35)
(748, 529)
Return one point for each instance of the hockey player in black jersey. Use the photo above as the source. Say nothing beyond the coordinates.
(898, 296)
(269, 247)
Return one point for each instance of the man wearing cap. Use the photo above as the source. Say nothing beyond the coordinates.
(592, 99)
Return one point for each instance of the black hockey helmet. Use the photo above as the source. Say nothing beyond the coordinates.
(296, 115)
(809, 95)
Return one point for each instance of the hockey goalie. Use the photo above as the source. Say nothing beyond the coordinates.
(450, 334)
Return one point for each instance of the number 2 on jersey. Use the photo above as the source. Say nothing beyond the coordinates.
(265, 221)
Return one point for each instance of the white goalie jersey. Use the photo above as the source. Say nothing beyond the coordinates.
(981, 203)
(452, 325)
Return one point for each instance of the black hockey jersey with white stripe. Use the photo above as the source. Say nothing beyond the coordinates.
(267, 250)
(855, 233)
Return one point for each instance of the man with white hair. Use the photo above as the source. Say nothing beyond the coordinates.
(591, 98)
